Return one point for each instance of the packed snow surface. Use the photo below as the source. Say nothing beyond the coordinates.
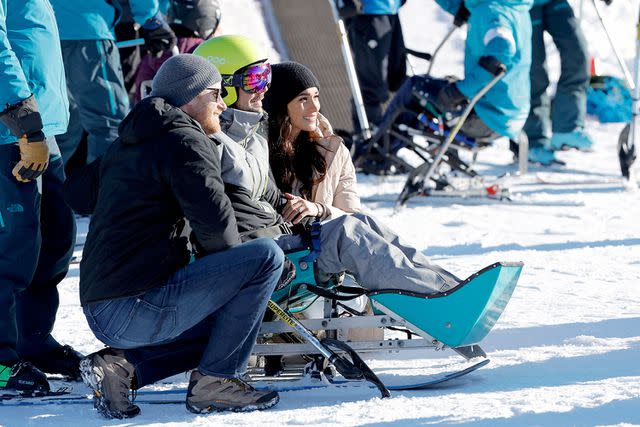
(566, 350)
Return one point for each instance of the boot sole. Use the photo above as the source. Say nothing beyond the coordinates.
(218, 407)
(91, 376)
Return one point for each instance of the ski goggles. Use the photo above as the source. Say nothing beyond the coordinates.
(252, 79)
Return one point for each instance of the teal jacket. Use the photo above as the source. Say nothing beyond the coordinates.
(499, 28)
(31, 63)
(96, 19)
(380, 7)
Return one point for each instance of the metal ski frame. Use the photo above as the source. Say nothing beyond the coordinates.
(416, 180)
(627, 139)
(623, 66)
(354, 369)
(339, 326)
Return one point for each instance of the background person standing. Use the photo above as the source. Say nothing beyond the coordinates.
(37, 229)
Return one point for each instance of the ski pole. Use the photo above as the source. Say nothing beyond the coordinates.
(442, 43)
(623, 66)
(424, 172)
(636, 90)
(351, 73)
(459, 19)
(627, 143)
(348, 369)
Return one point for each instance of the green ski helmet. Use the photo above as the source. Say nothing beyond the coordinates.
(231, 54)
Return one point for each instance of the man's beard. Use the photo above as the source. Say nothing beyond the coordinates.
(210, 124)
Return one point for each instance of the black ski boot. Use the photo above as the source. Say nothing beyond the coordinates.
(63, 360)
(22, 379)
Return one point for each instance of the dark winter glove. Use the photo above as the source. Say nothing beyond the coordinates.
(158, 35)
(24, 121)
(462, 15)
(450, 99)
(607, 2)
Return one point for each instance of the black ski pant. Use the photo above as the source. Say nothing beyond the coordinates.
(570, 102)
(380, 60)
(37, 236)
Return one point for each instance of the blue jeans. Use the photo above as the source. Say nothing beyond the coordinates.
(37, 235)
(222, 296)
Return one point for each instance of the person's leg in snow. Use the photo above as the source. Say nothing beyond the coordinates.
(229, 290)
(37, 234)
(570, 101)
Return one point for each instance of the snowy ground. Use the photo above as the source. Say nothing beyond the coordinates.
(566, 349)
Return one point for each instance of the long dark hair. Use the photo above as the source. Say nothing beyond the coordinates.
(301, 159)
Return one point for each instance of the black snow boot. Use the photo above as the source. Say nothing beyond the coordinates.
(24, 379)
(63, 360)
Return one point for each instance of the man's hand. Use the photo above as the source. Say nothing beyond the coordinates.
(450, 99)
(297, 208)
(158, 35)
(24, 121)
(34, 159)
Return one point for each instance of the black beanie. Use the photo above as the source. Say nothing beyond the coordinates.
(288, 79)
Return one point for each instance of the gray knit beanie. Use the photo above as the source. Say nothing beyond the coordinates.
(182, 77)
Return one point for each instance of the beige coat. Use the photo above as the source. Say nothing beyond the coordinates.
(338, 191)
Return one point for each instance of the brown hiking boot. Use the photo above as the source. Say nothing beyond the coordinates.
(208, 393)
(110, 376)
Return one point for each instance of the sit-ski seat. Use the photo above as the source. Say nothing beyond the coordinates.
(296, 297)
(462, 316)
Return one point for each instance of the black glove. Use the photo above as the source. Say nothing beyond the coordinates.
(462, 15)
(450, 99)
(607, 2)
(23, 119)
(158, 35)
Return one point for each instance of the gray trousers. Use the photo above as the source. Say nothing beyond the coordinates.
(570, 102)
(375, 255)
(97, 98)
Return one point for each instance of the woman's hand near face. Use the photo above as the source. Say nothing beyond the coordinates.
(323, 129)
(297, 208)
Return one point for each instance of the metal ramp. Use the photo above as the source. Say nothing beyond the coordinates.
(308, 34)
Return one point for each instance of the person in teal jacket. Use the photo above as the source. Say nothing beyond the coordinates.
(501, 29)
(563, 126)
(37, 228)
(97, 95)
(497, 28)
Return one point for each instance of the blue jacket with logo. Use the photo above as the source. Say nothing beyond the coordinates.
(499, 28)
(95, 19)
(31, 63)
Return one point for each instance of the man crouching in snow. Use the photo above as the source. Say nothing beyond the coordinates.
(137, 288)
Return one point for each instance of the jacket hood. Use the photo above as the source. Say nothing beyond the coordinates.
(239, 124)
(152, 117)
